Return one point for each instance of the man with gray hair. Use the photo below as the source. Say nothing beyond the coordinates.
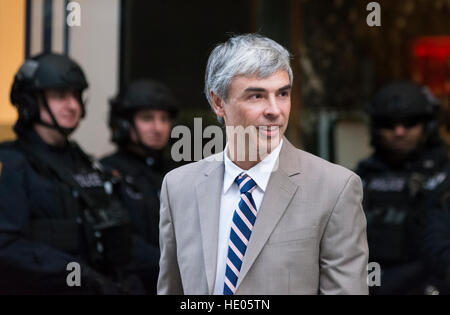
(275, 221)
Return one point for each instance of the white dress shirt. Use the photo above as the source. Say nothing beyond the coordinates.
(260, 173)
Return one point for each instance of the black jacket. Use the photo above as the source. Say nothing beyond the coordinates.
(142, 177)
(396, 201)
(41, 225)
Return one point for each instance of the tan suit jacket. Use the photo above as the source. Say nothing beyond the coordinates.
(309, 236)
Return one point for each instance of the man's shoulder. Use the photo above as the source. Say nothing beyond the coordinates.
(8, 146)
(11, 156)
(320, 174)
(109, 157)
(371, 165)
(111, 160)
(193, 170)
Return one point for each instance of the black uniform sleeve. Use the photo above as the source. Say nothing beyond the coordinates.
(436, 245)
(145, 263)
(25, 266)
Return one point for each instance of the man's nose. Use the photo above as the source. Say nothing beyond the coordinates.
(72, 101)
(272, 108)
(399, 130)
(158, 125)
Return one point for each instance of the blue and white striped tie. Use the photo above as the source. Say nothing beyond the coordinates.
(244, 218)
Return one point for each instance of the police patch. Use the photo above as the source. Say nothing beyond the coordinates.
(89, 180)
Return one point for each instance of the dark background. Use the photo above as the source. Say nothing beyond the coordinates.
(348, 60)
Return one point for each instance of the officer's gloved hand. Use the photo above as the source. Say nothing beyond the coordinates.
(94, 282)
(132, 285)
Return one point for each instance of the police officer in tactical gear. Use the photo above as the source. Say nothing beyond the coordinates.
(408, 165)
(56, 207)
(140, 121)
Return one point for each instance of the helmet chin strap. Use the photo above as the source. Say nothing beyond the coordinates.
(65, 132)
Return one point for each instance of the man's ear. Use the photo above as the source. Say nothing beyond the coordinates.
(217, 103)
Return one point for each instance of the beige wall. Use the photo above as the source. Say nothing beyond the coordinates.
(12, 50)
(352, 142)
(95, 45)
(36, 27)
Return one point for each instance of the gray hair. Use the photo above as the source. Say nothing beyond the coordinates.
(248, 55)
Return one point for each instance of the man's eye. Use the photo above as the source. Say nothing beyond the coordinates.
(284, 93)
(255, 96)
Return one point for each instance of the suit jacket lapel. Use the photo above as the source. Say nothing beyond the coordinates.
(277, 197)
(209, 192)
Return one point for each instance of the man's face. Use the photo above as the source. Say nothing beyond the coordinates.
(402, 139)
(65, 107)
(263, 103)
(153, 126)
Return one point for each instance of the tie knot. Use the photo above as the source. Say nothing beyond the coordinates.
(245, 182)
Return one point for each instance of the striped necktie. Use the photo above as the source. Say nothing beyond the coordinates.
(241, 228)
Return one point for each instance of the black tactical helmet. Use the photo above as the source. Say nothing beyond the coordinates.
(402, 99)
(41, 72)
(141, 94)
(405, 102)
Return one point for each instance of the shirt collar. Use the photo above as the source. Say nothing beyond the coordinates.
(260, 173)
